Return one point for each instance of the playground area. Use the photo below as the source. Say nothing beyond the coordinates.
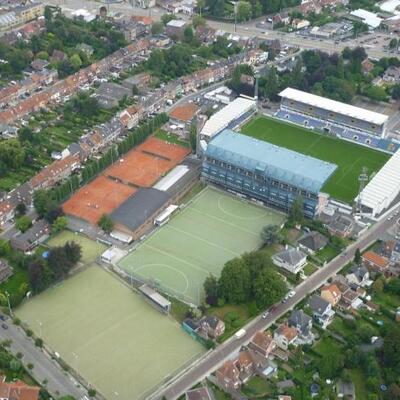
(141, 167)
(91, 250)
(110, 335)
(214, 228)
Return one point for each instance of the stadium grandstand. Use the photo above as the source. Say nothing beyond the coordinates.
(228, 117)
(263, 171)
(382, 189)
(331, 116)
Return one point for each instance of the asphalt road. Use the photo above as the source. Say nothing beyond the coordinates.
(199, 371)
(59, 382)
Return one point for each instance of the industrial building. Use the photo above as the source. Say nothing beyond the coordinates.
(331, 116)
(233, 114)
(382, 189)
(265, 172)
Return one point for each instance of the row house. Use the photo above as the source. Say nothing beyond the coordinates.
(375, 262)
(55, 172)
(109, 131)
(6, 212)
(129, 118)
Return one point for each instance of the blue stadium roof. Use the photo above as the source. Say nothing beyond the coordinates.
(276, 162)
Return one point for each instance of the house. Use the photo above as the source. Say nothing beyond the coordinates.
(292, 259)
(303, 325)
(129, 118)
(331, 294)
(375, 262)
(109, 94)
(58, 56)
(211, 326)
(262, 343)
(391, 75)
(85, 48)
(340, 226)
(28, 240)
(298, 23)
(321, 310)
(17, 390)
(228, 376)
(282, 18)
(205, 33)
(345, 390)
(367, 66)
(371, 307)
(5, 270)
(312, 242)
(284, 397)
(351, 300)
(285, 336)
(245, 365)
(200, 393)
(139, 80)
(358, 276)
(184, 114)
(6, 212)
(39, 64)
(175, 28)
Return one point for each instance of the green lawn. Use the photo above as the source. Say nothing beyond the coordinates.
(309, 269)
(91, 250)
(327, 253)
(171, 138)
(327, 345)
(358, 378)
(256, 386)
(350, 158)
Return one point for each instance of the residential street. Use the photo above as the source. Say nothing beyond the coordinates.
(198, 372)
(59, 382)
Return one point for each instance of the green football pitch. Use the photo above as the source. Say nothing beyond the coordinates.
(110, 335)
(350, 158)
(214, 228)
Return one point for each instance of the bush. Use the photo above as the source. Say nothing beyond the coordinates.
(29, 332)
(231, 316)
(39, 342)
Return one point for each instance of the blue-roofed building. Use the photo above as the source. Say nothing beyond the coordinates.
(260, 170)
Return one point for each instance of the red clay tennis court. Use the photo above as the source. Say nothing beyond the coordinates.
(99, 197)
(144, 165)
(141, 167)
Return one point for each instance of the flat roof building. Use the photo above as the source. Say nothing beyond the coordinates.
(264, 171)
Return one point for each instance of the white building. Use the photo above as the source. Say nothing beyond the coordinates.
(227, 117)
(291, 259)
(383, 188)
(369, 18)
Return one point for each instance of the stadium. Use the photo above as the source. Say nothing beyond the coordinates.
(331, 116)
(266, 172)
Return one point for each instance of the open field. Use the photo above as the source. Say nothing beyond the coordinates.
(350, 158)
(214, 228)
(91, 250)
(118, 343)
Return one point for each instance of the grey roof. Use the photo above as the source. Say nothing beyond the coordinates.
(299, 318)
(346, 389)
(275, 162)
(201, 393)
(291, 256)
(359, 271)
(396, 247)
(314, 241)
(317, 304)
(139, 207)
(33, 234)
(212, 321)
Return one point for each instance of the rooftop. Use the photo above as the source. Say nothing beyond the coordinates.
(177, 23)
(184, 112)
(335, 106)
(297, 169)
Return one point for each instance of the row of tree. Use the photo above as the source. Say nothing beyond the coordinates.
(249, 278)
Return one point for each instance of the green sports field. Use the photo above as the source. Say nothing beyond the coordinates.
(117, 342)
(350, 158)
(91, 250)
(214, 228)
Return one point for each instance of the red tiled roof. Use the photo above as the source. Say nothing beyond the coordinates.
(18, 391)
(375, 259)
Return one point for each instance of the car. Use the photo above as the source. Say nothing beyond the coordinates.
(4, 326)
(3, 317)
(265, 315)
(389, 218)
(291, 294)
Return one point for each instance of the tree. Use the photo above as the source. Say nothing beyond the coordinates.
(270, 234)
(73, 251)
(393, 44)
(211, 290)
(165, 18)
(75, 61)
(296, 212)
(359, 27)
(193, 137)
(59, 224)
(106, 223)
(391, 349)
(243, 11)
(41, 202)
(395, 92)
(234, 283)
(12, 154)
(394, 392)
(25, 134)
(20, 209)
(157, 28)
(376, 93)
(197, 20)
(188, 35)
(35, 276)
(92, 393)
(269, 85)
(331, 365)
(23, 223)
(58, 262)
(200, 5)
(269, 288)
(357, 257)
